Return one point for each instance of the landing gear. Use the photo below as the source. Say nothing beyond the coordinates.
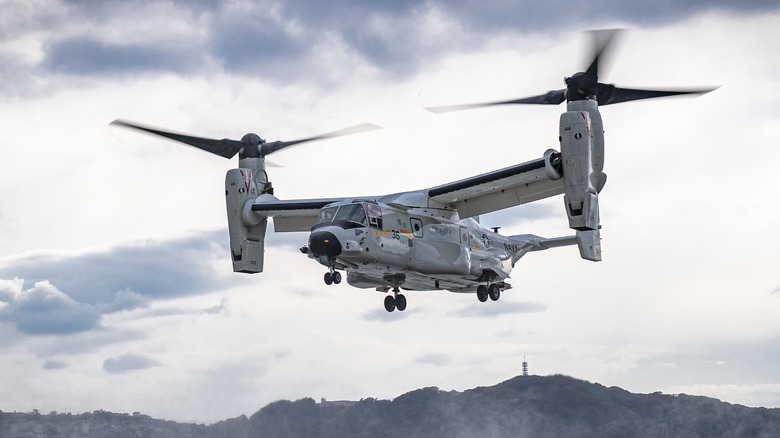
(333, 277)
(492, 290)
(395, 302)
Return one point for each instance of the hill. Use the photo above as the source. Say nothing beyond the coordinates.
(530, 406)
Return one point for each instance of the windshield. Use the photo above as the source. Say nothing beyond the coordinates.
(351, 213)
(326, 214)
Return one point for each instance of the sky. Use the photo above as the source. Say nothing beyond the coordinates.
(116, 287)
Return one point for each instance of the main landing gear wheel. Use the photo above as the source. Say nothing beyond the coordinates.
(389, 303)
(494, 291)
(397, 302)
(400, 302)
(332, 278)
(482, 293)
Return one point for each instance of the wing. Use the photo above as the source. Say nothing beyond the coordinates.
(294, 215)
(492, 191)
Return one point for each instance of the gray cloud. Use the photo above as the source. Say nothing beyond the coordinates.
(128, 362)
(43, 309)
(275, 40)
(54, 365)
(62, 294)
(490, 309)
(117, 276)
(88, 55)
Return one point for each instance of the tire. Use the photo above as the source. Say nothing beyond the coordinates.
(400, 302)
(389, 303)
(336, 277)
(328, 278)
(482, 293)
(495, 292)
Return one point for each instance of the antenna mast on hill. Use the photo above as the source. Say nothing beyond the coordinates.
(525, 367)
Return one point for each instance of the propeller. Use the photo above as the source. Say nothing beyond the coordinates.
(250, 146)
(584, 85)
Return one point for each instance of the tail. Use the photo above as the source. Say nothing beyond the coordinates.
(588, 242)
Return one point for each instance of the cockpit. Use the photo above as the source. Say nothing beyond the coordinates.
(353, 215)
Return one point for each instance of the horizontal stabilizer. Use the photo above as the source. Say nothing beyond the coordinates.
(588, 242)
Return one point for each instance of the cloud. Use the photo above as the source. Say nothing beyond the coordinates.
(54, 365)
(490, 309)
(88, 55)
(70, 293)
(437, 359)
(274, 40)
(43, 309)
(115, 277)
(128, 362)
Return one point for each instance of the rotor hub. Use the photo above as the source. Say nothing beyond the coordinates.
(252, 146)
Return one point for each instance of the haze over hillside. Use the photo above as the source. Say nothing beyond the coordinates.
(525, 406)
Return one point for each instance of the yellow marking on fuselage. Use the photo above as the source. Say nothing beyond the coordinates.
(476, 246)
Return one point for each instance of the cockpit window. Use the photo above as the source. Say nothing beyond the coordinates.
(326, 214)
(351, 213)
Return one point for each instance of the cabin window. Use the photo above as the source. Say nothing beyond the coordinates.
(417, 227)
(374, 215)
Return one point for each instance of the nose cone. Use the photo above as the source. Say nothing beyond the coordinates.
(324, 243)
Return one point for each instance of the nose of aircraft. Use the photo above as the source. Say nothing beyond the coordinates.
(324, 243)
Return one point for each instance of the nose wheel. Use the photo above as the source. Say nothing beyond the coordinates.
(332, 277)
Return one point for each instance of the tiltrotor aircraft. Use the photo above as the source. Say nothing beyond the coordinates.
(429, 239)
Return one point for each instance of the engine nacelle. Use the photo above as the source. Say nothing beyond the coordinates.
(580, 194)
(247, 237)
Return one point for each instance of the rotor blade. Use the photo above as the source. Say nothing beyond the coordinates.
(553, 97)
(609, 94)
(269, 148)
(224, 148)
(602, 40)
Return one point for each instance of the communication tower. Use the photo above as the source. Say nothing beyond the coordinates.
(525, 367)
